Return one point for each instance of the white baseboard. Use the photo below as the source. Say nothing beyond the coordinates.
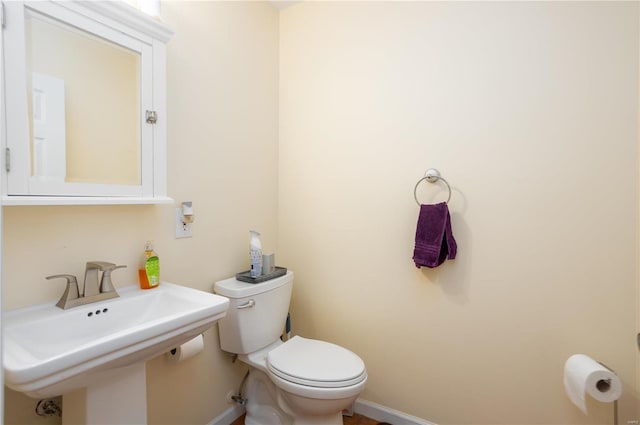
(228, 416)
(385, 414)
(362, 407)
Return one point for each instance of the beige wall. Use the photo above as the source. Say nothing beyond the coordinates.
(523, 107)
(530, 111)
(223, 118)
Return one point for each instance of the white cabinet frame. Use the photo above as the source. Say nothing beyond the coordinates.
(113, 21)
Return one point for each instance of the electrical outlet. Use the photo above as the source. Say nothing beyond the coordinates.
(183, 230)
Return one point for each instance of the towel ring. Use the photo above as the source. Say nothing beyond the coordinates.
(432, 175)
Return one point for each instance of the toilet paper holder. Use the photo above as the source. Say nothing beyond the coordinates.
(604, 385)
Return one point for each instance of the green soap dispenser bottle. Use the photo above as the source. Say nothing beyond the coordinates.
(149, 269)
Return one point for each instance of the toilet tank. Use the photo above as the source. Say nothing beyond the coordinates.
(256, 315)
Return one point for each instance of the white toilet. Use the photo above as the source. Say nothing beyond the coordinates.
(299, 382)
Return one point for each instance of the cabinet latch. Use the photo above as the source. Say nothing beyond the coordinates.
(152, 117)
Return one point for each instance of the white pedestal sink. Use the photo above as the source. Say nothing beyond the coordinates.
(103, 346)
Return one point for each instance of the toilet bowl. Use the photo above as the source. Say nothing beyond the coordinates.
(299, 382)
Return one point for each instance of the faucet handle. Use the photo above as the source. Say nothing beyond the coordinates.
(91, 273)
(70, 293)
(105, 283)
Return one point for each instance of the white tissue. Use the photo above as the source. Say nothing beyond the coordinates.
(583, 375)
(187, 350)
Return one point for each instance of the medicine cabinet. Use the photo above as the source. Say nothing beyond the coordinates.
(84, 104)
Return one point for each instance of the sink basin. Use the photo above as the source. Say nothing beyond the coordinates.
(49, 351)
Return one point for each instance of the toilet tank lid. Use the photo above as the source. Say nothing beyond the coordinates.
(233, 288)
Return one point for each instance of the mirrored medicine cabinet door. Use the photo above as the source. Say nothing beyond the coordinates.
(81, 121)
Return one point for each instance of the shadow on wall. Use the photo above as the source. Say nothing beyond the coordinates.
(454, 274)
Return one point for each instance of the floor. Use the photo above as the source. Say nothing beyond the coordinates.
(353, 420)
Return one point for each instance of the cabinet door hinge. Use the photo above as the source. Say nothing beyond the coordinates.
(7, 159)
(152, 117)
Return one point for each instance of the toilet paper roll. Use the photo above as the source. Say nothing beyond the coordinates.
(583, 375)
(187, 350)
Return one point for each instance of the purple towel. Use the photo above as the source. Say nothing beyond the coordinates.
(434, 238)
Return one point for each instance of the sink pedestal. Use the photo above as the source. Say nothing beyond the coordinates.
(114, 397)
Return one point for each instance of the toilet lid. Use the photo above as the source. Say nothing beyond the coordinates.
(316, 363)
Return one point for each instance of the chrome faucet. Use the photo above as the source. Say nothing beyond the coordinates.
(94, 289)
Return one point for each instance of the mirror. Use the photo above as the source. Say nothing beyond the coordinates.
(84, 107)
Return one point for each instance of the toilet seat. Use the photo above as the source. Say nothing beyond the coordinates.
(316, 363)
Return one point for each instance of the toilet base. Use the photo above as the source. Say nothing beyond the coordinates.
(262, 407)
(268, 405)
